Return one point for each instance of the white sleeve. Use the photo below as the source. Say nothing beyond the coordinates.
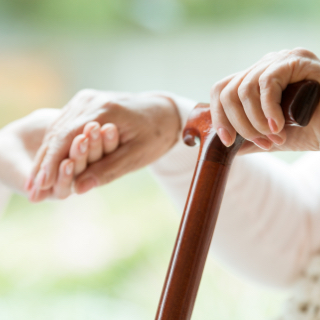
(269, 222)
(5, 194)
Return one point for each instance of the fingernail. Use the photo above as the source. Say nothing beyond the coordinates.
(224, 136)
(84, 146)
(85, 185)
(41, 178)
(276, 139)
(69, 168)
(262, 143)
(272, 125)
(95, 133)
(109, 134)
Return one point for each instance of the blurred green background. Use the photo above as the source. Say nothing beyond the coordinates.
(104, 255)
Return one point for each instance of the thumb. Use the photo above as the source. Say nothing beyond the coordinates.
(125, 159)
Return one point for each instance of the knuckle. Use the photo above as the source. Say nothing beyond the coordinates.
(293, 62)
(225, 97)
(229, 97)
(245, 89)
(302, 52)
(265, 81)
(216, 89)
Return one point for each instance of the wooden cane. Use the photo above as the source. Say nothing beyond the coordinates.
(299, 101)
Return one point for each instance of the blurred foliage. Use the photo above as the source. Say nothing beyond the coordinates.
(224, 9)
(108, 13)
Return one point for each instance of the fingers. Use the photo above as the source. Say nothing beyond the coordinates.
(36, 195)
(110, 137)
(275, 79)
(60, 136)
(57, 149)
(249, 94)
(79, 152)
(118, 163)
(90, 146)
(62, 188)
(92, 131)
(108, 168)
(250, 101)
(38, 160)
(235, 112)
(220, 121)
(271, 87)
(229, 114)
(287, 67)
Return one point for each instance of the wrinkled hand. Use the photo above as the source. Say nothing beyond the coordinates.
(19, 143)
(147, 124)
(248, 102)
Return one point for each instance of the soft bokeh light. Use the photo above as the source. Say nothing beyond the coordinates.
(104, 255)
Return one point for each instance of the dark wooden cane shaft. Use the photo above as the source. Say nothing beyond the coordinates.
(204, 200)
(191, 248)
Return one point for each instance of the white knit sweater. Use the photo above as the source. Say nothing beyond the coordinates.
(304, 303)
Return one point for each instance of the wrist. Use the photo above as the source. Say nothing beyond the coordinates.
(183, 106)
(164, 112)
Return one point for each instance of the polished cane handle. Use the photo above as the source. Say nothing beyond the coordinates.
(299, 101)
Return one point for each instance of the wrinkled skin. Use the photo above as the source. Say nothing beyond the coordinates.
(148, 127)
(248, 102)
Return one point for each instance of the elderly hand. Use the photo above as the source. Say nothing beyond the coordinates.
(147, 124)
(19, 142)
(248, 102)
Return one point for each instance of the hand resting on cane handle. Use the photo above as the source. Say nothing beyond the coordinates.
(248, 102)
(298, 104)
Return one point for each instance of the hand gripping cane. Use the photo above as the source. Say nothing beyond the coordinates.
(299, 101)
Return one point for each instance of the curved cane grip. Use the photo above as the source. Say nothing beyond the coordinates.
(299, 101)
